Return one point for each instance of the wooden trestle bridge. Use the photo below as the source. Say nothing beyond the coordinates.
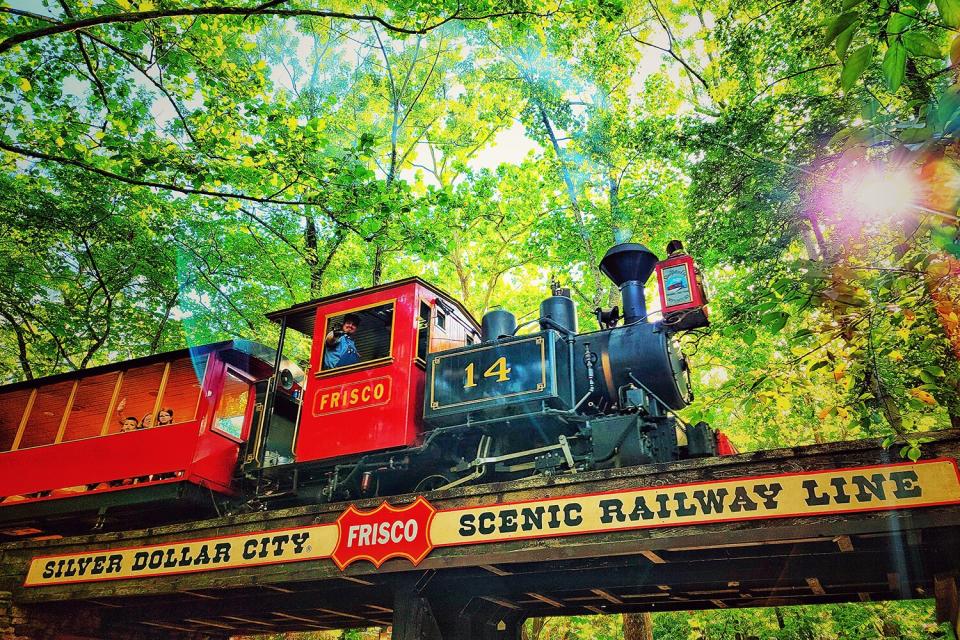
(843, 522)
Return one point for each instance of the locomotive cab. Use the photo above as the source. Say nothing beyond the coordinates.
(365, 356)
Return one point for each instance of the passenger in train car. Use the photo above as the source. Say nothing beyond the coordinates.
(146, 422)
(165, 417)
(130, 423)
(341, 350)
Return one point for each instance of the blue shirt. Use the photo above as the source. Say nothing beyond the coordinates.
(341, 354)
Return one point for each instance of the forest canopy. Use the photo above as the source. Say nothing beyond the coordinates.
(172, 170)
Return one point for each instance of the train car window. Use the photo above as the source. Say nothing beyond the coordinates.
(232, 409)
(13, 404)
(90, 406)
(47, 414)
(358, 338)
(182, 392)
(441, 320)
(423, 332)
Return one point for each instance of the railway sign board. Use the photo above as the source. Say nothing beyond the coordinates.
(414, 530)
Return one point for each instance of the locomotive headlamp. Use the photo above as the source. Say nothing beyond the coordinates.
(683, 297)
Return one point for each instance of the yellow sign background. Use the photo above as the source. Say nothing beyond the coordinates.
(938, 482)
(231, 552)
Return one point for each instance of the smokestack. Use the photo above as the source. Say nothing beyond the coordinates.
(629, 266)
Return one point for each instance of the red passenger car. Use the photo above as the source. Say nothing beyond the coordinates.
(62, 448)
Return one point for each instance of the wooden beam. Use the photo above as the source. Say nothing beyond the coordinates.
(816, 587)
(340, 614)
(288, 616)
(105, 604)
(377, 607)
(495, 570)
(501, 602)
(948, 601)
(609, 597)
(358, 580)
(105, 429)
(207, 623)
(898, 584)
(542, 598)
(736, 545)
(250, 621)
(23, 420)
(711, 592)
(163, 388)
(200, 595)
(653, 557)
(65, 419)
(719, 604)
(596, 610)
(173, 627)
(844, 543)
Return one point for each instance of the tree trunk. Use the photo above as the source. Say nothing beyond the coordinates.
(943, 292)
(637, 626)
(575, 203)
(532, 629)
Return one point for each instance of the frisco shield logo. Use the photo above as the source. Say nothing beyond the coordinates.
(383, 533)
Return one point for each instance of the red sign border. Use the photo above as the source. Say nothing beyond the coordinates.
(394, 554)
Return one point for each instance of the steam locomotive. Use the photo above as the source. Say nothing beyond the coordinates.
(432, 401)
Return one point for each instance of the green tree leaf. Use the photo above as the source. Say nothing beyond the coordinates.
(844, 39)
(854, 66)
(898, 23)
(775, 320)
(840, 24)
(894, 65)
(920, 44)
(949, 12)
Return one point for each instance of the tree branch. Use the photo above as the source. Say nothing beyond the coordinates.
(246, 12)
(30, 153)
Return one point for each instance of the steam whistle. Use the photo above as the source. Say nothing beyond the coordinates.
(683, 297)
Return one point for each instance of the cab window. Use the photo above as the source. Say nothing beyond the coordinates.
(423, 332)
(232, 409)
(358, 338)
